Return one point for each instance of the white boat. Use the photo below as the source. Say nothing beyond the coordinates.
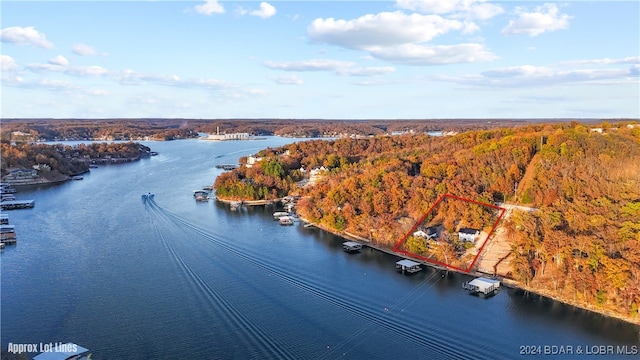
(285, 220)
(147, 196)
(68, 351)
(235, 205)
(279, 214)
(201, 195)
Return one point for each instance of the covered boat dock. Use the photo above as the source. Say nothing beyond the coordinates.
(351, 246)
(17, 204)
(408, 266)
(482, 285)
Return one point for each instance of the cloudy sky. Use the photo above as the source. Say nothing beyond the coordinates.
(406, 59)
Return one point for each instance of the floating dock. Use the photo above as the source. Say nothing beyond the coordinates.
(482, 285)
(408, 266)
(17, 204)
(351, 246)
(226, 166)
(235, 205)
(201, 195)
(7, 234)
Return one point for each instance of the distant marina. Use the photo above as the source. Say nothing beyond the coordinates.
(230, 136)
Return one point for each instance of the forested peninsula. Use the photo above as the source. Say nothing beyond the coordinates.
(42, 163)
(580, 245)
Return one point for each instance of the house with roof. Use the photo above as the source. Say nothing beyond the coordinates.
(468, 234)
(427, 233)
(16, 174)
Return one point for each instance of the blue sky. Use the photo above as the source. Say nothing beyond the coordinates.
(407, 59)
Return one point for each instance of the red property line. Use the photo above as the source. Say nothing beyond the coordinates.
(397, 249)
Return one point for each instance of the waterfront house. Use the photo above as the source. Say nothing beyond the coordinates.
(427, 233)
(16, 174)
(252, 160)
(468, 234)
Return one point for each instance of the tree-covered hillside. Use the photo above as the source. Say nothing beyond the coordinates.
(582, 245)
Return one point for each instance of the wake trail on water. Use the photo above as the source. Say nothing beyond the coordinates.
(409, 328)
(258, 338)
(402, 302)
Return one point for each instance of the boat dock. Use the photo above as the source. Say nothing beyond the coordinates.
(351, 246)
(482, 285)
(17, 204)
(201, 195)
(226, 166)
(286, 220)
(408, 266)
(7, 234)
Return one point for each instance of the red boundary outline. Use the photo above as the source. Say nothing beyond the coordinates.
(397, 249)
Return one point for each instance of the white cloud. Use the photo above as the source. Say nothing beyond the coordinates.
(93, 70)
(287, 80)
(366, 71)
(210, 7)
(469, 9)
(47, 84)
(86, 50)
(59, 60)
(308, 65)
(400, 38)
(433, 54)
(529, 75)
(266, 10)
(82, 71)
(383, 29)
(605, 61)
(98, 92)
(342, 68)
(25, 36)
(543, 19)
(8, 64)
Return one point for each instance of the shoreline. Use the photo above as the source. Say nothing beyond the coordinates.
(248, 202)
(41, 181)
(505, 281)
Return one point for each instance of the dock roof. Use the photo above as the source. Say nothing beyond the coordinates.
(350, 243)
(407, 262)
(483, 283)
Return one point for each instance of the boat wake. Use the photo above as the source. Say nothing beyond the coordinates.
(258, 341)
(393, 318)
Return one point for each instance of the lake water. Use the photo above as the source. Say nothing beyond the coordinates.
(173, 278)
